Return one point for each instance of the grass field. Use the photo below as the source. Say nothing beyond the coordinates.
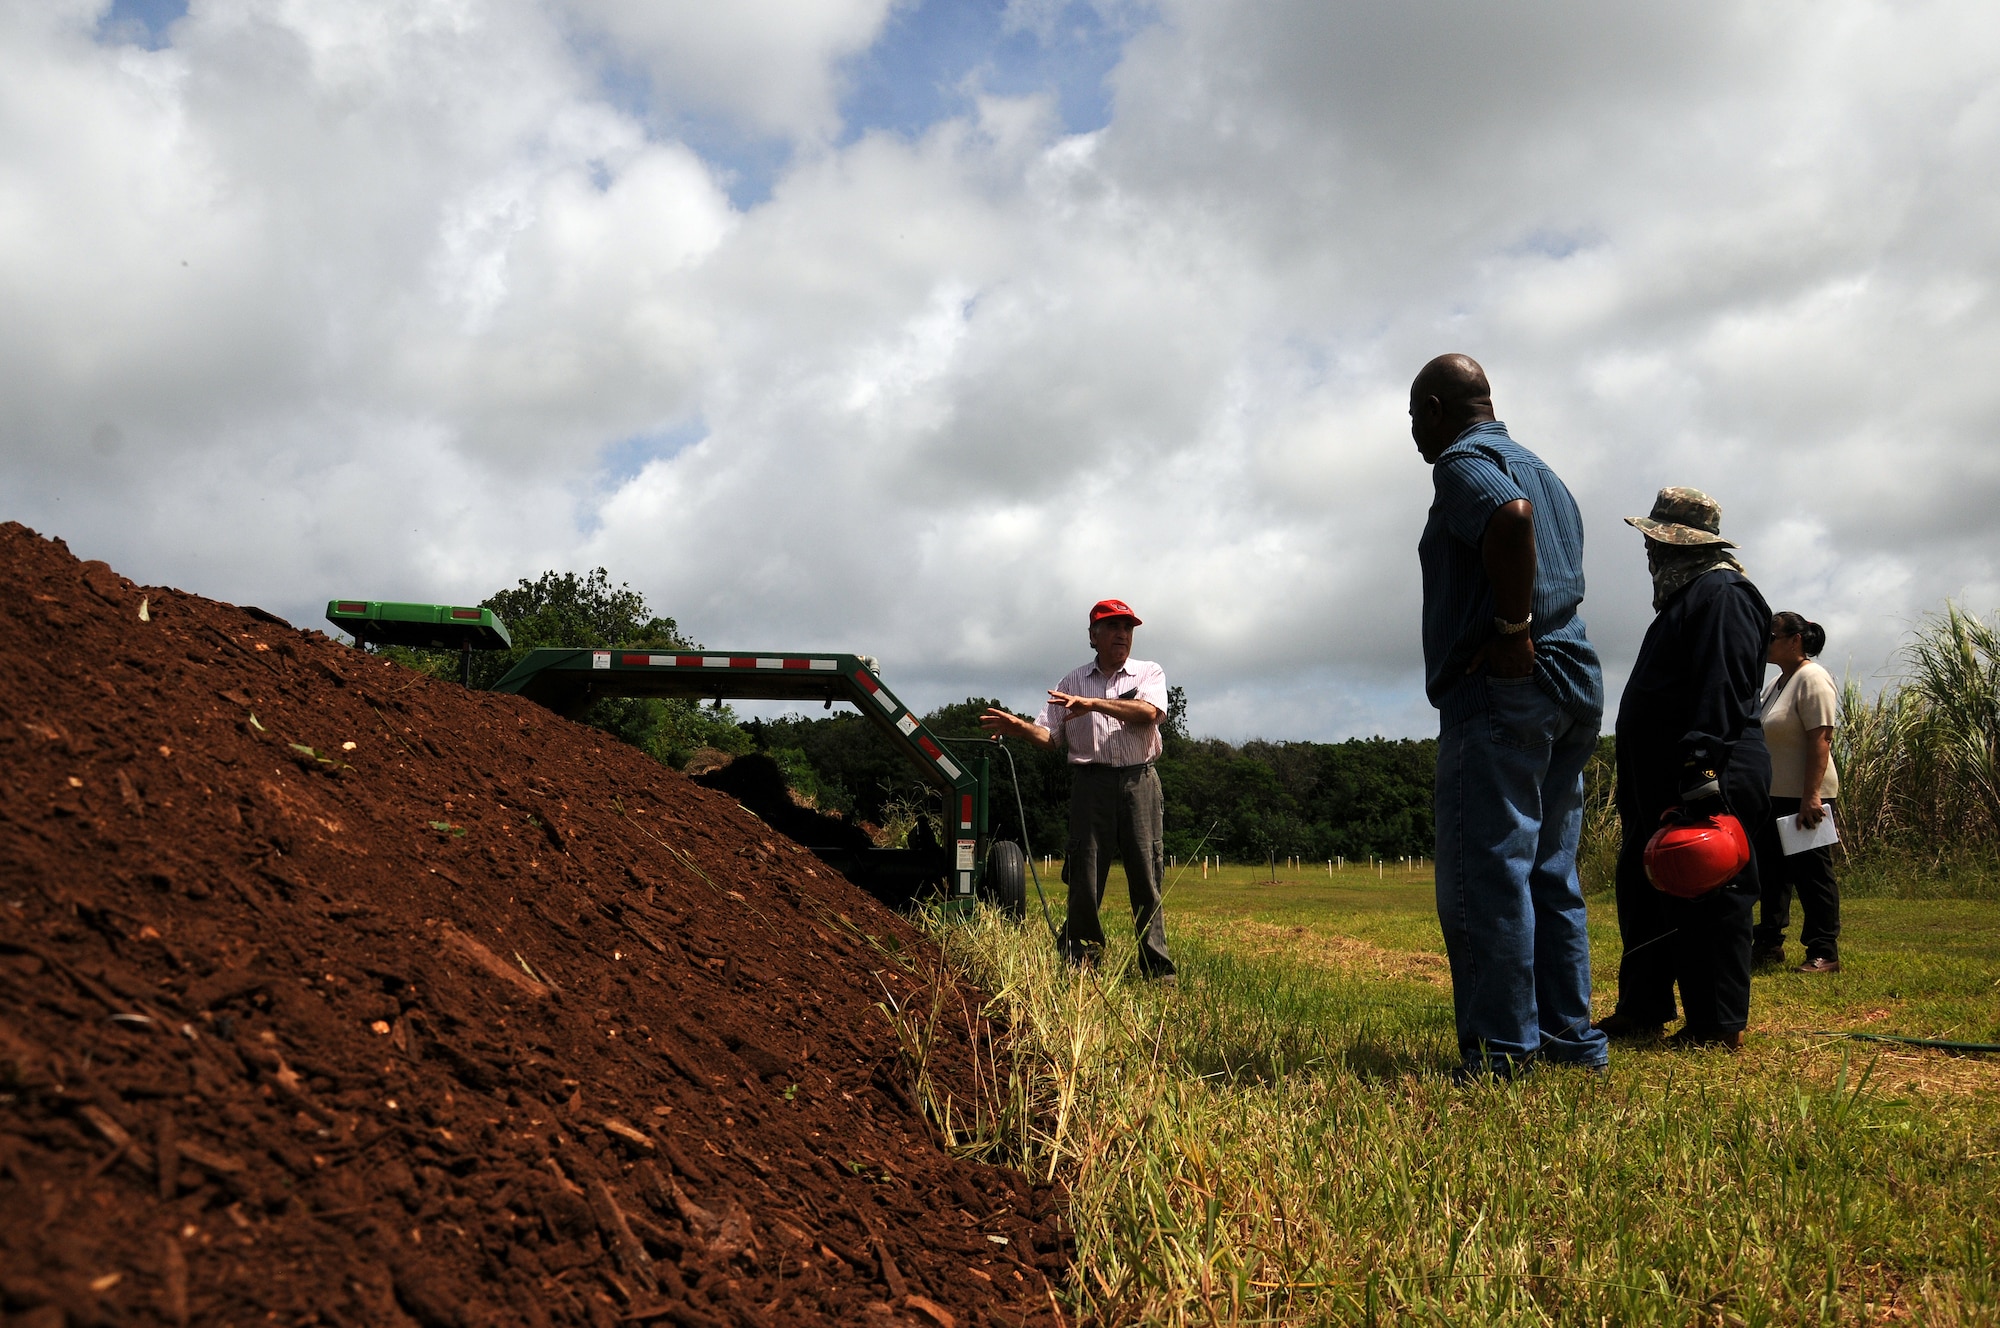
(1278, 1141)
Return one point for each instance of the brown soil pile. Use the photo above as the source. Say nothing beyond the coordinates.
(331, 994)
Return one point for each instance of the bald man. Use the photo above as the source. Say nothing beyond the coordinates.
(1520, 699)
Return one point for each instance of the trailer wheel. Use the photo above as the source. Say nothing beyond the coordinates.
(1007, 878)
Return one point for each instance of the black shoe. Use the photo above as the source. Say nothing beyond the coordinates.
(1770, 956)
(1624, 1028)
(1728, 1039)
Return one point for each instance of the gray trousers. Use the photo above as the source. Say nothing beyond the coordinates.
(1115, 811)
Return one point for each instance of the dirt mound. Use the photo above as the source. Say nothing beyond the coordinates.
(331, 994)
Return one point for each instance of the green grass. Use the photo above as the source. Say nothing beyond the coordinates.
(1277, 1141)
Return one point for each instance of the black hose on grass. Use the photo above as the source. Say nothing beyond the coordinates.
(1935, 1044)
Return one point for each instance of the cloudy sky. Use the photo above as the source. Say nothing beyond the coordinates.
(913, 326)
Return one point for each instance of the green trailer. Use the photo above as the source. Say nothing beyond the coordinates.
(460, 627)
(970, 865)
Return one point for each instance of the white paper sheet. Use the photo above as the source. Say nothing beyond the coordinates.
(1797, 839)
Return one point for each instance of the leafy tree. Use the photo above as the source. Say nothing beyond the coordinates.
(588, 612)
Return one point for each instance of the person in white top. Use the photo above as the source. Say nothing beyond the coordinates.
(1107, 714)
(1800, 710)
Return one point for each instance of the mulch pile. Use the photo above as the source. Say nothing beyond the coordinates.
(333, 994)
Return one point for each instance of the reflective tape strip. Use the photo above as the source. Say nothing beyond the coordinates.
(826, 663)
(635, 659)
(661, 661)
(742, 661)
(965, 811)
(715, 661)
(770, 663)
(795, 664)
(931, 750)
(875, 690)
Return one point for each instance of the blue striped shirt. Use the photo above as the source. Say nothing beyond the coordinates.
(1481, 472)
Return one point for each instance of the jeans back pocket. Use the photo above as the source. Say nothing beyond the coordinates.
(1521, 714)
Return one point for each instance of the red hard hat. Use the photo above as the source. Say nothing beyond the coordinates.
(1690, 858)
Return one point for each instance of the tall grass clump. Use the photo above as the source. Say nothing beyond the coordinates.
(1920, 767)
(1597, 847)
(1277, 1142)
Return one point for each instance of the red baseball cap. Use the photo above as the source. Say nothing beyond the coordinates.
(1114, 608)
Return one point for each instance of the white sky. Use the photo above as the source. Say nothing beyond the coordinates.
(913, 329)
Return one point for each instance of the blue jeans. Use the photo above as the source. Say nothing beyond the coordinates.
(1509, 810)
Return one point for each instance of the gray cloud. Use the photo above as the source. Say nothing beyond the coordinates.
(321, 300)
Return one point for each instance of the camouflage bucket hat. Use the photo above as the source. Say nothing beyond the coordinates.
(1683, 516)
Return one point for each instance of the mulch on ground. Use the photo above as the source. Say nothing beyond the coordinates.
(330, 993)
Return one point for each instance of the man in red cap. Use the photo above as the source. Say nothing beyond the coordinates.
(1107, 713)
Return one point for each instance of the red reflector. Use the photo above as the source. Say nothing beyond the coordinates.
(930, 748)
(688, 661)
(798, 663)
(465, 613)
(742, 661)
(632, 659)
(348, 606)
(965, 811)
(861, 676)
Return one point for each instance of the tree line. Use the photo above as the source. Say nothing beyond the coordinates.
(1242, 802)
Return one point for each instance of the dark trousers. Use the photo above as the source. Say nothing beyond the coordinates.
(1701, 945)
(1810, 874)
(1115, 811)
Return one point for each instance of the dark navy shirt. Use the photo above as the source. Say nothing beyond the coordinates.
(1482, 471)
(1693, 699)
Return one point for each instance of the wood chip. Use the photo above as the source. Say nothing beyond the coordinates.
(931, 1310)
(653, 1187)
(892, 1276)
(492, 965)
(637, 1138)
(167, 1154)
(617, 1233)
(101, 1121)
(118, 1137)
(174, 1270)
(684, 1164)
(701, 1223)
(208, 1159)
(128, 794)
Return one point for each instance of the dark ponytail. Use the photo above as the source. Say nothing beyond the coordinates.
(1812, 637)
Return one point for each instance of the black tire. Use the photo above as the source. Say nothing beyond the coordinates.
(1007, 878)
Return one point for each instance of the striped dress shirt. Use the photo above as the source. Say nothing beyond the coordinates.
(1098, 739)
